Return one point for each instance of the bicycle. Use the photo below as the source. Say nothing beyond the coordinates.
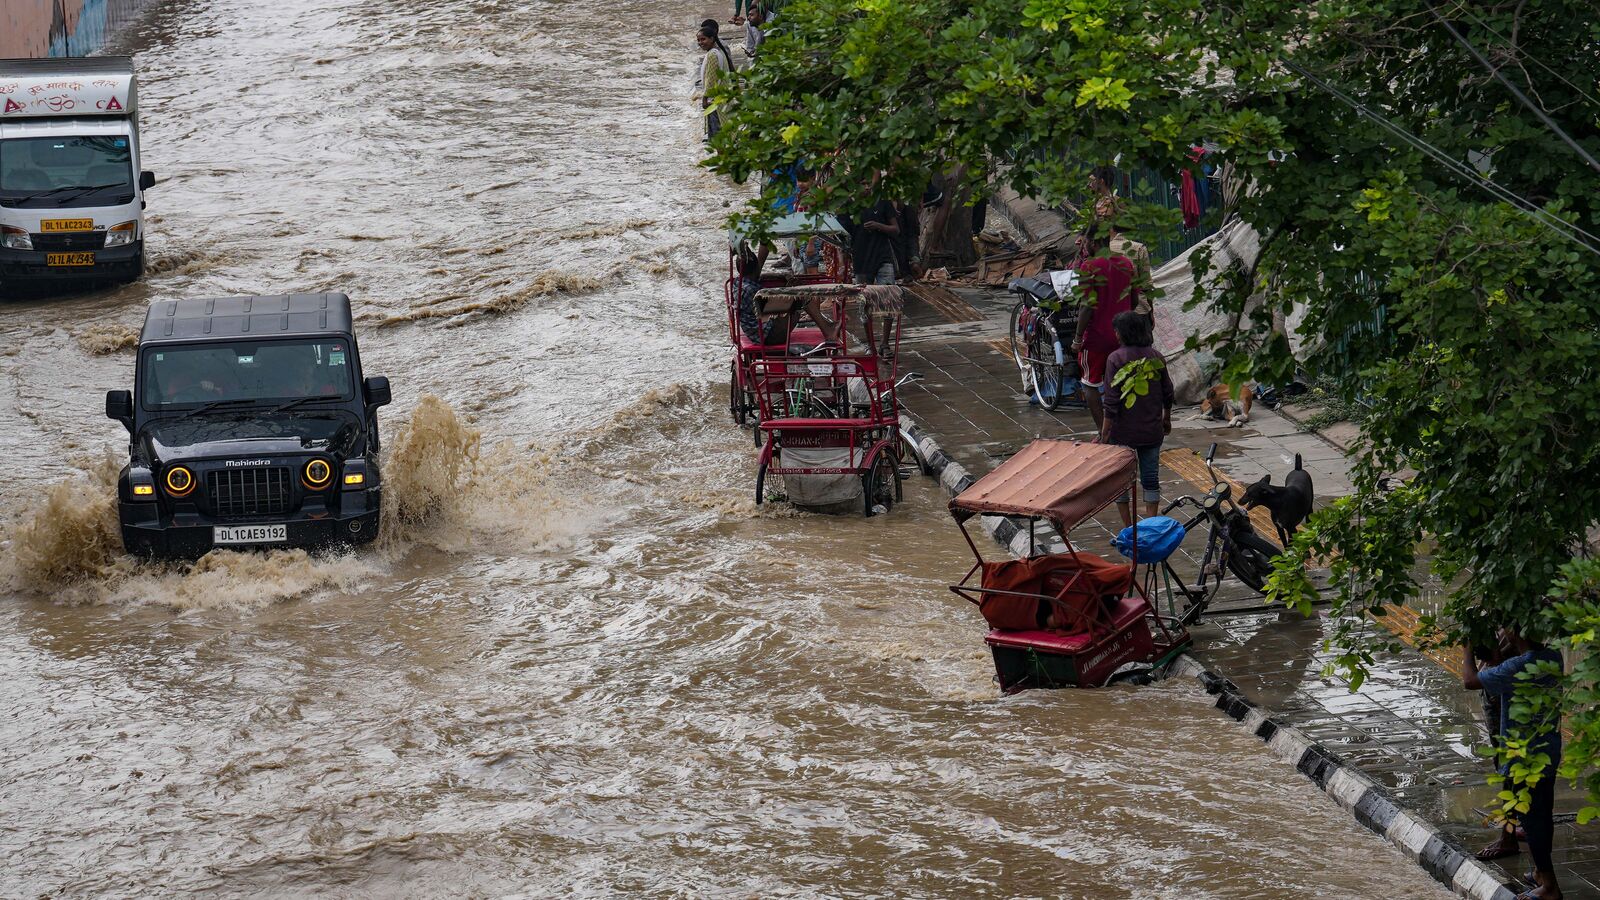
(1232, 545)
(1037, 343)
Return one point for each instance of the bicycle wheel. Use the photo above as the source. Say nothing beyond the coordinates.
(1251, 560)
(1021, 323)
(1047, 375)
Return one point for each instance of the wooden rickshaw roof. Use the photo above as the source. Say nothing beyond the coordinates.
(1062, 481)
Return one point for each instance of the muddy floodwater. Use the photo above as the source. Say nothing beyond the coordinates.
(581, 662)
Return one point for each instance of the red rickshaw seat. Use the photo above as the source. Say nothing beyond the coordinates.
(808, 336)
(1127, 612)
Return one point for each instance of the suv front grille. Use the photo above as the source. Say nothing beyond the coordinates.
(263, 491)
(70, 240)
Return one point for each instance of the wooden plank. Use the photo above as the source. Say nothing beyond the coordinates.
(946, 301)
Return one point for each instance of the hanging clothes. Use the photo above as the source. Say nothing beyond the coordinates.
(1189, 192)
(1189, 200)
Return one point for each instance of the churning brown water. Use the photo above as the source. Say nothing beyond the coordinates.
(580, 662)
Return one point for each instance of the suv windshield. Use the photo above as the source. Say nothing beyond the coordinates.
(245, 372)
(61, 172)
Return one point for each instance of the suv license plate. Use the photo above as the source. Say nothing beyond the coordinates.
(69, 259)
(249, 534)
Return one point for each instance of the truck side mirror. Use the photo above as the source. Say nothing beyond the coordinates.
(147, 180)
(376, 390)
(119, 406)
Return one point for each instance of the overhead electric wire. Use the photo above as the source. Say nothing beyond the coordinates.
(1516, 91)
(1560, 226)
(1461, 9)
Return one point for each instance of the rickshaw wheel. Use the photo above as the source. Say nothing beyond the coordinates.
(881, 485)
(736, 398)
(761, 484)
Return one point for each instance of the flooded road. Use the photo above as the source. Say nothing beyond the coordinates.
(581, 662)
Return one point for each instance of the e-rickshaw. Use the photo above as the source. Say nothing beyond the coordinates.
(1064, 619)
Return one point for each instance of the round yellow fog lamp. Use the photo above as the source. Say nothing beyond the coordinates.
(318, 474)
(180, 481)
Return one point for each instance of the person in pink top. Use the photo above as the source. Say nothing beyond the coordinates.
(1105, 281)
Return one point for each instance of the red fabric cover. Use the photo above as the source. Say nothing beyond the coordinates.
(1078, 601)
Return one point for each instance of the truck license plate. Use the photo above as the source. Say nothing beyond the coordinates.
(249, 534)
(69, 259)
(54, 225)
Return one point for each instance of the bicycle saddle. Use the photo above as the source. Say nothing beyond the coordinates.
(1040, 290)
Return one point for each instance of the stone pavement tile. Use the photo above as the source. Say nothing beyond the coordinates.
(1270, 424)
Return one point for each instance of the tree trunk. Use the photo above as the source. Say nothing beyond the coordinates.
(947, 233)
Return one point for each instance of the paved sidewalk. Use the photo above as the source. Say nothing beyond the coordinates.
(1411, 728)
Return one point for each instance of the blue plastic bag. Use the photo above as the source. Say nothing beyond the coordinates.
(1158, 537)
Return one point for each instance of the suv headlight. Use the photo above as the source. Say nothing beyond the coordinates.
(121, 235)
(318, 474)
(180, 481)
(14, 238)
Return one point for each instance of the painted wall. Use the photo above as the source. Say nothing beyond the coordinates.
(30, 28)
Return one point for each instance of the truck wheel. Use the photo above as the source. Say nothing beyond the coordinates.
(137, 271)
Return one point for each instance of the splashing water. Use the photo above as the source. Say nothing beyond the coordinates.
(104, 340)
(443, 489)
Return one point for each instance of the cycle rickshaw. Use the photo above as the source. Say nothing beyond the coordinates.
(831, 414)
(1065, 619)
(817, 249)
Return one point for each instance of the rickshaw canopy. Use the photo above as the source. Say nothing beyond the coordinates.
(1062, 481)
(793, 225)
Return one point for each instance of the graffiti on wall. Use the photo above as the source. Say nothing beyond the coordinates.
(31, 28)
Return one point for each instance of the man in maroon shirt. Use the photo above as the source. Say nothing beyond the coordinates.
(1105, 280)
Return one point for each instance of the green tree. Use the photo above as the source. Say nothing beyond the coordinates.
(1437, 231)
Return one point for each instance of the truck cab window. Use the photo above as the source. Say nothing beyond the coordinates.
(62, 172)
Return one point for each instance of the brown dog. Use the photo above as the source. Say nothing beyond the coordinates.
(1220, 405)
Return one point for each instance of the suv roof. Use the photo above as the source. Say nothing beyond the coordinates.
(284, 315)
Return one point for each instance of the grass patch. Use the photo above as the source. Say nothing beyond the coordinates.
(1334, 408)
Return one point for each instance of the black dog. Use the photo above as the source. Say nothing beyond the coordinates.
(1290, 504)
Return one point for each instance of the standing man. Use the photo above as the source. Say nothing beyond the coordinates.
(872, 243)
(1538, 823)
(752, 30)
(1106, 282)
(1143, 280)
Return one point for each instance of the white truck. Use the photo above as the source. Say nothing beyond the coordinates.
(71, 190)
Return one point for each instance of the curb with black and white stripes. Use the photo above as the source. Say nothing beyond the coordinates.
(1371, 804)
